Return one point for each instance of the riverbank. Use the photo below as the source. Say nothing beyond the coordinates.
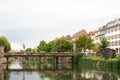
(112, 65)
(90, 61)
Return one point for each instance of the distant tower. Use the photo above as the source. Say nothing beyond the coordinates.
(23, 46)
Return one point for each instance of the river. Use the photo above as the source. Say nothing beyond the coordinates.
(34, 71)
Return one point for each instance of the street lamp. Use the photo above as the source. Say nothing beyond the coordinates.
(24, 59)
(74, 45)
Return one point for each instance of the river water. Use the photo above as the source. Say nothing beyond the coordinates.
(34, 71)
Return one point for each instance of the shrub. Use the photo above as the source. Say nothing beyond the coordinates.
(77, 57)
(117, 58)
(94, 58)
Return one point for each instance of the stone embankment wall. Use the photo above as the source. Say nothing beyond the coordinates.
(1, 59)
(1, 55)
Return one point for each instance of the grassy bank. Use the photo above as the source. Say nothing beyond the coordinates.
(89, 62)
(93, 60)
(113, 63)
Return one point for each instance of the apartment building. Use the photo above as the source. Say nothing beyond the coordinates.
(110, 31)
(92, 34)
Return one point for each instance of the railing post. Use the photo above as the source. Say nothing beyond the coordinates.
(72, 59)
(56, 60)
(72, 62)
(24, 62)
(56, 63)
(40, 60)
(7, 62)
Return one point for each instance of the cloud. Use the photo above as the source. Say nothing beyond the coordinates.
(29, 21)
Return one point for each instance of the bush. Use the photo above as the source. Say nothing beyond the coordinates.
(94, 58)
(86, 62)
(117, 58)
(89, 61)
(77, 57)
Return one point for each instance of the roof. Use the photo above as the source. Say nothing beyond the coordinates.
(92, 33)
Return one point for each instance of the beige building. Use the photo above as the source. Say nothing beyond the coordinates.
(110, 31)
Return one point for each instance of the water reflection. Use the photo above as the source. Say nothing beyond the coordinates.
(1, 73)
(24, 76)
(87, 75)
(15, 65)
(18, 71)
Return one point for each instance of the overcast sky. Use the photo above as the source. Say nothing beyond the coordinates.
(30, 21)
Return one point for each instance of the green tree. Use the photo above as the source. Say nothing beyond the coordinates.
(84, 42)
(103, 43)
(62, 45)
(42, 46)
(4, 42)
(95, 48)
(30, 50)
(50, 46)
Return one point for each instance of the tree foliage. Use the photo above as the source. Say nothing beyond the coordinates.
(57, 45)
(62, 45)
(4, 42)
(50, 46)
(42, 46)
(95, 48)
(30, 50)
(84, 42)
(103, 43)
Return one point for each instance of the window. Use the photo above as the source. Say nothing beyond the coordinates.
(112, 37)
(116, 36)
(115, 28)
(112, 43)
(111, 29)
(105, 31)
(115, 43)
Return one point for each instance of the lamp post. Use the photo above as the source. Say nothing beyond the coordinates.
(24, 60)
(74, 45)
(74, 50)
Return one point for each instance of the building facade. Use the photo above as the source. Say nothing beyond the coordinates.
(110, 31)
